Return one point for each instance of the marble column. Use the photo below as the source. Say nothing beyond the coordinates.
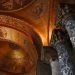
(48, 54)
(63, 47)
(55, 67)
(69, 23)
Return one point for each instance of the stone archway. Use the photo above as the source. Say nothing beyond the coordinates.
(20, 38)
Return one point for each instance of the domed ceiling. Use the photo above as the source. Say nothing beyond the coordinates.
(40, 14)
(14, 5)
(68, 1)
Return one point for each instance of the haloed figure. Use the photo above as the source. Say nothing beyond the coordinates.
(15, 61)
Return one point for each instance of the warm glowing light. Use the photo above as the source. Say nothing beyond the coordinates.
(18, 56)
(53, 13)
(52, 27)
(43, 37)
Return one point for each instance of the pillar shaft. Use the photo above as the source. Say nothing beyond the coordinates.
(69, 23)
(55, 67)
(64, 52)
(64, 59)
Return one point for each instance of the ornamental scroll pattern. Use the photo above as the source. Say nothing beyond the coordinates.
(13, 5)
(40, 9)
(15, 23)
(3, 33)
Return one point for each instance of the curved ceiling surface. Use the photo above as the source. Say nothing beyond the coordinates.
(14, 5)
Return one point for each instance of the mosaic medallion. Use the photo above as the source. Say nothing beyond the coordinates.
(40, 9)
(14, 5)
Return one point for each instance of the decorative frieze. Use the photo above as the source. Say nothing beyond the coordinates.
(14, 5)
